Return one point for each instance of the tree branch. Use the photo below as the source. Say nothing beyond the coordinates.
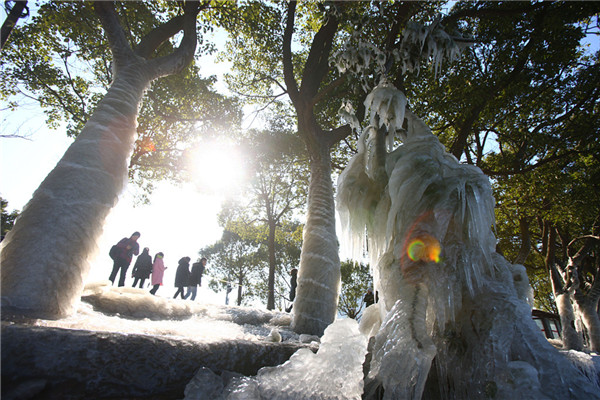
(317, 63)
(113, 30)
(288, 66)
(338, 134)
(328, 89)
(158, 35)
(183, 55)
(18, 10)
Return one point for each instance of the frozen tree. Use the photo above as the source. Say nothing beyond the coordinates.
(297, 41)
(453, 318)
(44, 257)
(444, 292)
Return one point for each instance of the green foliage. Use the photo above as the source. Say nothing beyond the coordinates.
(234, 261)
(8, 218)
(242, 255)
(356, 279)
(61, 59)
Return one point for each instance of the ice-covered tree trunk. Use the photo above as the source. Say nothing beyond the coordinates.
(589, 316)
(44, 258)
(571, 339)
(319, 273)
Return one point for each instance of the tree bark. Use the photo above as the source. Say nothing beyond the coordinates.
(239, 294)
(525, 241)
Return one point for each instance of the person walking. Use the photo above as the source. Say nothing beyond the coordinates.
(195, 278)
(158, 271)
(142, 268)
(369, 298)
(182, 276)
(126, 248)
(293, 285)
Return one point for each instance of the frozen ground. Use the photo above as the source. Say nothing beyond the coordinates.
(137, 345)
(134, 311)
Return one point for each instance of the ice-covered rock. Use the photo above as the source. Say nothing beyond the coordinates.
(122, 356)
(334, 372)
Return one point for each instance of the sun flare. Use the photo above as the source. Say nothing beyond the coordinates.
(217, 167)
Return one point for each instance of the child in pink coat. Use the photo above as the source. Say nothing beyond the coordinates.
(158, 271)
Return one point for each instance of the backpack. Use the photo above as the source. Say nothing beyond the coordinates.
(114, 252)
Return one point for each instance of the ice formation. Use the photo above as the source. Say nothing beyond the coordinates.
(451, 310)
(123, 309)
(334, 372)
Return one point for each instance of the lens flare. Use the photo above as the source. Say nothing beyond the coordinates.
(424, 248)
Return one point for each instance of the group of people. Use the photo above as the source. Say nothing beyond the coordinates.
(190, 279)
(123, 252)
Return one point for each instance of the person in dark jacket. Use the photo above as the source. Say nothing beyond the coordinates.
(182, 276)
(142, 268)
(369, 298)
(127, 248)
(293, 285)
(195, 278)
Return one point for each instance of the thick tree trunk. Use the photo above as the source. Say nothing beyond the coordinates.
(44, 257)
(316, 300)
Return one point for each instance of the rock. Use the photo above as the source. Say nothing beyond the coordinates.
(22, 390)
(304, 338)
(204, 385)
(79, 364)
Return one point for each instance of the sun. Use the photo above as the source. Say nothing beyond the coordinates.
(217, 168)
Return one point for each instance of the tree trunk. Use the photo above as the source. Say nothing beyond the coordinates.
(319, 275)
(45, 256)
(591, 321)
(525, 248)
(272, 265)
(240, 280)
(571, 338)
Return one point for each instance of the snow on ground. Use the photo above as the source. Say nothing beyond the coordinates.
(135, 311)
